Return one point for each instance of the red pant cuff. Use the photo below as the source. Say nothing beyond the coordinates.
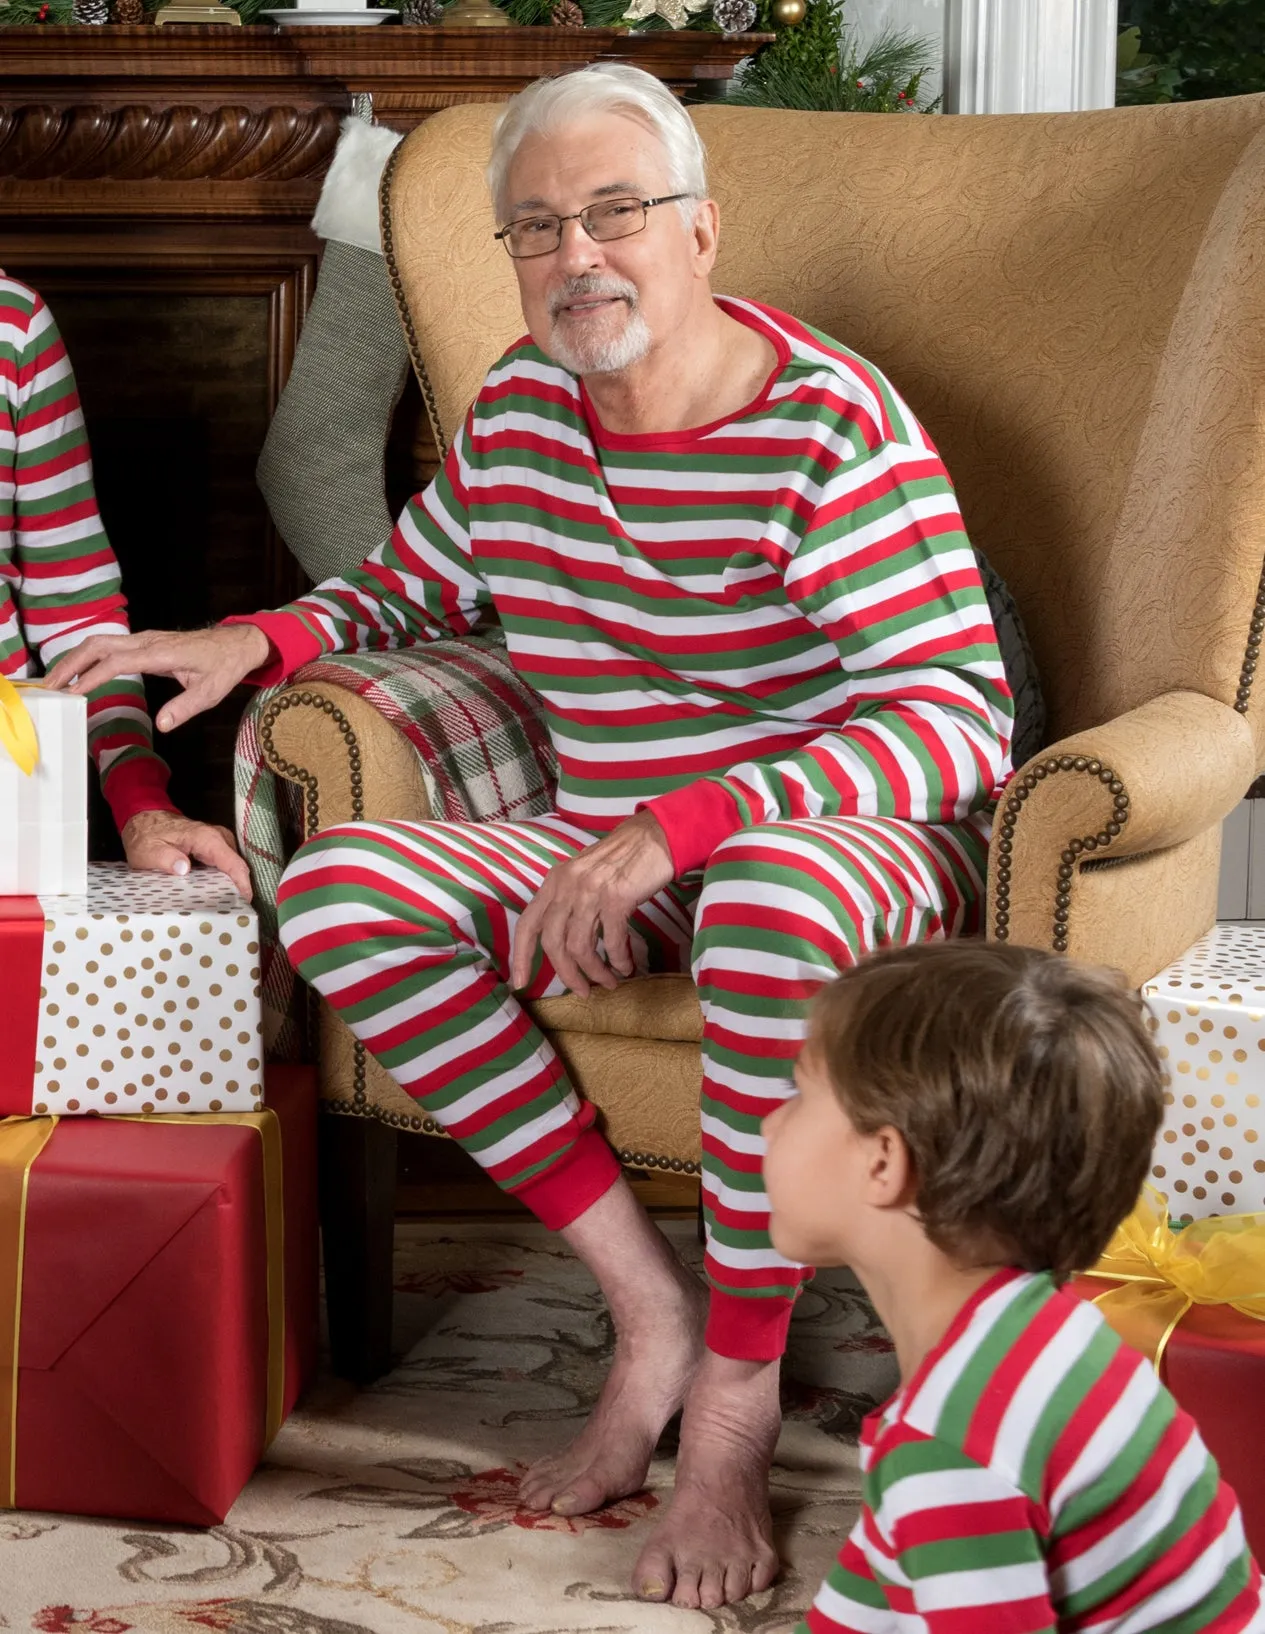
(750, 1330)
(574, 1183)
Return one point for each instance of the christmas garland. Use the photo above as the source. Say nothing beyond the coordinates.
(22, 13)
(811, 62)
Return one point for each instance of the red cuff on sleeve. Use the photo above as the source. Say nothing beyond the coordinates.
(139, 784)
(292, 643)
(695, 818)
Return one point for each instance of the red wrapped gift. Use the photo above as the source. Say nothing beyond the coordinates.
(1193, 1300)
(163, 1271)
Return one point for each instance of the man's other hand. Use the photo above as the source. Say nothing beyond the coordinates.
(589, 897)
(207, 663)
(168, 843)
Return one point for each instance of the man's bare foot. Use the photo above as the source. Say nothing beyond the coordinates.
(715, 1544)
(659, 1310)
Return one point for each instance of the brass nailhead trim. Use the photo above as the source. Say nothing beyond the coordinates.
(647, 1160)
(1254, 633)
(1005, 844)
(307, 781)
(406, 316)
(419, 1125)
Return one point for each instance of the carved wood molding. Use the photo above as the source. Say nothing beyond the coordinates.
(218, 124)
(88, 141)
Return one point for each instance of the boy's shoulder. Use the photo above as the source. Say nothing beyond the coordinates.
(19, 305)
(1026, 1379)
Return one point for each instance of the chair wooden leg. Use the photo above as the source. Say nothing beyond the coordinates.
(357, 1202)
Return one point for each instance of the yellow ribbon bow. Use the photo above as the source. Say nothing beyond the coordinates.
(17, 729)
(1163, 1272)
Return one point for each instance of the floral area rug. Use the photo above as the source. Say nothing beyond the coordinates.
(391, 1510)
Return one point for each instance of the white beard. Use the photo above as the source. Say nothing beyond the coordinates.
(601, 353)
(596, 355)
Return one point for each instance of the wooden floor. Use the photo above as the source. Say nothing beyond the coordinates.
(438, 1181)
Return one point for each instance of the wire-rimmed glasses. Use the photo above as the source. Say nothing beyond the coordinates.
(541, 234)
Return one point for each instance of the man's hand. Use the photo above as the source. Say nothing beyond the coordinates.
(590, 897)
(207, 663)
(169, 844)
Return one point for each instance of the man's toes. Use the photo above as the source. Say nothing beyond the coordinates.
(711, 1587)
(582, 1496)
(653, 1576)
(764, 1572)
(738, 1583)
(686, 1592)
(538, 1488)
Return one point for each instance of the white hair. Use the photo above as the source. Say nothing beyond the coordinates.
(613, 87)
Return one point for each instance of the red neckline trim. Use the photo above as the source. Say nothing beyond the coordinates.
(692, 434)
(950, 1337)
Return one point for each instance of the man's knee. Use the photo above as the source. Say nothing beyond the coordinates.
(774, 900)
(338, 876)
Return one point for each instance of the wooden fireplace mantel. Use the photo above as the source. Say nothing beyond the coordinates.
(241, 122)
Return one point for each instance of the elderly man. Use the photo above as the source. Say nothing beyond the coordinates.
(725, 554)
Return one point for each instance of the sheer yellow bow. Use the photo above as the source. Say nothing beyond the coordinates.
(17, 729)
(1163, 1272)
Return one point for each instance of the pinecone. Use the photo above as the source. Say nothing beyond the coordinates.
(566, 14)
(91, 11)
(734, 16)
(422, 13)
(129, 11)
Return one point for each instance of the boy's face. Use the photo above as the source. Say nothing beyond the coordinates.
(815, 1170)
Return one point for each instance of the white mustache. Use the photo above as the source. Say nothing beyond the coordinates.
(618, 289)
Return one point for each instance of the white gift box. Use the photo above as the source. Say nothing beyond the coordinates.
(1208, 1017)
(148, 1000)
(44, 814)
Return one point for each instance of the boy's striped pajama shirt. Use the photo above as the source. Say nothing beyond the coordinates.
(770, 631)
(59, 580)
(1035, 1477)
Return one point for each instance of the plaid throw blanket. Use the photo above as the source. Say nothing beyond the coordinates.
(480, 742)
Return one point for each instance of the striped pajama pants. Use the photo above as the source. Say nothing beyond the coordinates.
(406, 929)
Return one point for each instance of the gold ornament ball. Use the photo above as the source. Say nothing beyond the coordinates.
(786, 13)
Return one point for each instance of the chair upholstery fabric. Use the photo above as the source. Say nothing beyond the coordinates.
(1073, 306)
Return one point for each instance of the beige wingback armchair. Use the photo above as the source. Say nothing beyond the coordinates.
(1074, 305)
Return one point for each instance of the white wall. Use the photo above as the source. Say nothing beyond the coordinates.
(922, 17)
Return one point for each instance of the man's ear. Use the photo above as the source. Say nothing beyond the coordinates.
(890, 1169)
(706, 231)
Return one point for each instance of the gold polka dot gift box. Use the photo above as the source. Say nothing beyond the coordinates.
(1207, 1012)
(139, 995)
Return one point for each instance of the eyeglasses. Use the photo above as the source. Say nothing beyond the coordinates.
(610, 218)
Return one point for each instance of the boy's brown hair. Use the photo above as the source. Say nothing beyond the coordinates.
(1025, 1086)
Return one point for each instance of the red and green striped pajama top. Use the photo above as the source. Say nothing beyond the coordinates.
(769, 630)
(59, 580)
(1035, 1476)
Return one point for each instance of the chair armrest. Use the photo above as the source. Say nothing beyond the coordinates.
(349, 760)
(1148, 782)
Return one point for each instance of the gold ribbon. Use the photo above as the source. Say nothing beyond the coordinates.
(17, 729)
(21, 1142)
(1161, 1272)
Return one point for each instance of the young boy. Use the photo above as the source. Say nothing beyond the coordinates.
(972, 1123)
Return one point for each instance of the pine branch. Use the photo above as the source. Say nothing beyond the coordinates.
(799, 73)
(22, 13)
